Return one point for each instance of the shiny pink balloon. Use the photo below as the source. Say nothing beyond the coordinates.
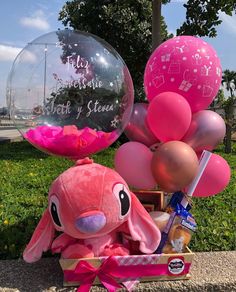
(169, 116)
(215, 177)
(206, 131)
(186, 65)
(137, 128)
(133, 163)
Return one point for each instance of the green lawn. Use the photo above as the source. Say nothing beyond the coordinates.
(26, 175)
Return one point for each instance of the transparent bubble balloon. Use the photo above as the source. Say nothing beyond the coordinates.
(70, 93)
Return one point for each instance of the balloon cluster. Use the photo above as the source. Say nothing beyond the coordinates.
(168, 135)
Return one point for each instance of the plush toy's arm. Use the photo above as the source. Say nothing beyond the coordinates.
(62, 242)
(115, 249)
(70, 247)
(76, 251)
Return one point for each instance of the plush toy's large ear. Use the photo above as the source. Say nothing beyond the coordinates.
(41, 239)
(142, 228)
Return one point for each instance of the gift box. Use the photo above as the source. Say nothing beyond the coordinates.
(125, 271)
(151, 200)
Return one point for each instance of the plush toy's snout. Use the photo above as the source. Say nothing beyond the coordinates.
(91, 223)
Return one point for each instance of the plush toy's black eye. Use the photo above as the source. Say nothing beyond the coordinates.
(124, 201)
(54, 214)
(122, 195)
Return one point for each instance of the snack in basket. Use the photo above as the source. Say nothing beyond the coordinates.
(178, 239)
(92, 206)
(160, 218)
(177, 232)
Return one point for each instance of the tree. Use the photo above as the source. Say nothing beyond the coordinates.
(227, 104)
(203, 16)
(156, 22)
(125, 24)
(229, 81)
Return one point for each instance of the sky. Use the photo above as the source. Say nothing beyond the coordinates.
(23, 21)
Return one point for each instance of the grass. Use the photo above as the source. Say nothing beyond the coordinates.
(26, 175)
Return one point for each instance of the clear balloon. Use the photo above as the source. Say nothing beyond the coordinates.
(133, 163)
(137, 128)
(174, 166)
(70, 93)
(169, 116)
(186, 65)
(206, 131)
(215, 177)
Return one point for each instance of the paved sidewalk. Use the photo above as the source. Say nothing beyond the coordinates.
(215, 272)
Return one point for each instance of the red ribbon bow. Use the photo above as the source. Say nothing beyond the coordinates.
(86, 274)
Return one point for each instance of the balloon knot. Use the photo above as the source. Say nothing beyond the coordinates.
(83, 161)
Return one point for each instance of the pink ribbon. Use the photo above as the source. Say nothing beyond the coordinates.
(110, 270)
(85, 273)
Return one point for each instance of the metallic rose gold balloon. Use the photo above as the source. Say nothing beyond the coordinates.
(137, 129)
(174, 166)
(206, 131)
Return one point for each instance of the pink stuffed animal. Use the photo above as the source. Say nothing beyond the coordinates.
(92, 206)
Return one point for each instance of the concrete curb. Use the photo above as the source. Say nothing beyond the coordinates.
(215, 272)
(11, 140)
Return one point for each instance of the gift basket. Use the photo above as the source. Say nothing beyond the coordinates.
(71, 95)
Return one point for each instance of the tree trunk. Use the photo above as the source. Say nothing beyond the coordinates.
(228, 148)
(229, 115)
(156, 24)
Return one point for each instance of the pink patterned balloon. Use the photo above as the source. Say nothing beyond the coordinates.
(186, 65)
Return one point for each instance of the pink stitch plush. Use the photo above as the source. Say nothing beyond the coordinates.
(92, 206)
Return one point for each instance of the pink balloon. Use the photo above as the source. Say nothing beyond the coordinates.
(169, 116)
(215, 177)
(186, 65)
(137, 128)
(133, 163)
(206, 131)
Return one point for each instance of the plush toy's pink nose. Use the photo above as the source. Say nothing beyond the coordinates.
(91, 223)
